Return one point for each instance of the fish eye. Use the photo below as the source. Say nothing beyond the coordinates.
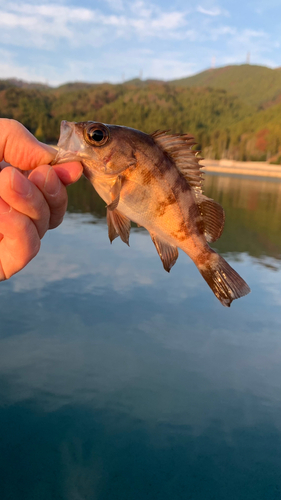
(96, 134)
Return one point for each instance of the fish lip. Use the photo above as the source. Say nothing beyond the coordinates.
(66, 129)
(63, 156)
(68, 144)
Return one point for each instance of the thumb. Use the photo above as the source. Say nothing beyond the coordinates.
(20, 148)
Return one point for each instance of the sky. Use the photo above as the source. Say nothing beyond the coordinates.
(117, 40)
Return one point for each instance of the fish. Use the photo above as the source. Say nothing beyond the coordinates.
(156, 181)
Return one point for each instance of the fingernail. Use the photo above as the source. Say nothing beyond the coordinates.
(20, 184)
(4, 207)
(52, 183)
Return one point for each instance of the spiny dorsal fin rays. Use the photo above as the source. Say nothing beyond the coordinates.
(157, 133)
(178, 148)
(115, 193)
(213, 217)
(163, 133)
(167, 253)
(118, 225)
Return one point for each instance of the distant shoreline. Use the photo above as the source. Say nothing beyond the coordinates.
(253, 168)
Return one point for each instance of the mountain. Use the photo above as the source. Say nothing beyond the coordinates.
(14, 82)
(255, 85)
(233, 112)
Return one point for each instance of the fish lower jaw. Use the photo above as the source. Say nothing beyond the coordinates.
(63, 156)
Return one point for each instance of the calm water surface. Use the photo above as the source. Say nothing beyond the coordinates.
(122, 382)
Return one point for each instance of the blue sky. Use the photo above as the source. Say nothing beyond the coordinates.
(113, 40)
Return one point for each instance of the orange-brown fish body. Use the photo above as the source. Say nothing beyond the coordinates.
(155, 195)
(154, 181)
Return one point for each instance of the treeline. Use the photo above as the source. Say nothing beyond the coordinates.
(224, 124)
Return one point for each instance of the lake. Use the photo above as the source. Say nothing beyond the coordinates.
(120, 381)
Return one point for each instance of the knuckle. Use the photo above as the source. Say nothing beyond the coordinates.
(59, 202)
(28, 242)
(24, 228)
(21, 223)
(57, 212)
(43, 209)
(33, 243)
(56, 218)
(5, 175)
(34, 247)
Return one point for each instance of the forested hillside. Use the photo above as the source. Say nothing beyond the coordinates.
(233, 112)
(255, 85)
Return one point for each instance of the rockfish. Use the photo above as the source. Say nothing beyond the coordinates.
(155, 181)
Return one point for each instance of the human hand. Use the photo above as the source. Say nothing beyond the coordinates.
(28, 206)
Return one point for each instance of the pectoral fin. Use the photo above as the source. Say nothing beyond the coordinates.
(115, 193)
(167, 252)
(118, 225)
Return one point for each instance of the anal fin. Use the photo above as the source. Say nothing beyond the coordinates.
(118, 225)
(167, 252)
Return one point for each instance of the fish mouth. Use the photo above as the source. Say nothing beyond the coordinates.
(69, 144)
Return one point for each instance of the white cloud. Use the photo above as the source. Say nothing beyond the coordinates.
(209, 12)
(9, 69)
(39, 21)
(257, 43)
(56, 41)
(247, 34)
(170, 66)
(221, 31)
(54, 11)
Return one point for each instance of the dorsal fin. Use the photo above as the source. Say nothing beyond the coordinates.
(118, 225)
(178, 148)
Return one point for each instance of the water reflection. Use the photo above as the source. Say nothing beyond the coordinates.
(252, 207)
(119, 380)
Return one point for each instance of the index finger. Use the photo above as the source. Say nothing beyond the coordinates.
(52, 181)
(20, 148)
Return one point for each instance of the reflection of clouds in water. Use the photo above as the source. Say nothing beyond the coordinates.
(45, 269)
(177, 365)
(270, 280)
(183, 383)
(118, 362)
(80, 249)
(172, 355)
(64, 369)
(264, 278)
(77, 250)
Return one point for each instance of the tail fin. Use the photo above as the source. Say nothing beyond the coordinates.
(225, 283)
